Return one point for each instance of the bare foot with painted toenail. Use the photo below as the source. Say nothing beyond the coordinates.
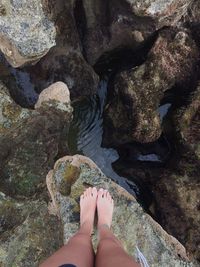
(88, 202)
(105, 206)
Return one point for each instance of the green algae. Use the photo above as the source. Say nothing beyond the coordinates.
(70, 175)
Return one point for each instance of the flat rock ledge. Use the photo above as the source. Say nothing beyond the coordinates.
(72, 174)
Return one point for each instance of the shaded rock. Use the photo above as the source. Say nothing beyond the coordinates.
(10, 112)
(65, 61)
(28, 233)
(177, 194)
(132, 111)
(18, 83)
(192, 19)
(131, 225)
(26, 33)
(187, 124)
(28, 150)
(125, 23)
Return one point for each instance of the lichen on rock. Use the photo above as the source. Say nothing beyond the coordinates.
(10, 112)
(28, 232)
(29, 148)
(130, 223)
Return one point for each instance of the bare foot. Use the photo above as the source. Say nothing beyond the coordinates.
(88, 204)
(105, 206)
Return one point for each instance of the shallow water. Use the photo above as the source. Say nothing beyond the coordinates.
(85, 136)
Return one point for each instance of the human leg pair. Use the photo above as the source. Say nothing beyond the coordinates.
(79, 251)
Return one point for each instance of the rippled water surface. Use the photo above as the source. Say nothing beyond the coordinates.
(85, 136)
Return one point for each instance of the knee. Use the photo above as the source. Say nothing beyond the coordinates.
(108, 242)
(80, 238)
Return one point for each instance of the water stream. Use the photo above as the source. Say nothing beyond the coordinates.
(85, 136)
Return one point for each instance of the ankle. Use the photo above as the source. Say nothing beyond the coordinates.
(86, 228)
(103, 225)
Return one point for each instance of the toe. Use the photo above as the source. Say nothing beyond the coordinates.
(108, 196)
(90, 191)
(94, 192)
(105, 193)
(85, 193)
(100, 193)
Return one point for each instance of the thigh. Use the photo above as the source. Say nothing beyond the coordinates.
(78, 252)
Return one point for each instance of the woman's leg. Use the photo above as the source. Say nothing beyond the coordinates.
(110, 252)
(78, 251)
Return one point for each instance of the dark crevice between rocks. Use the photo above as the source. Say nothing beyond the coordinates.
(19, 84)
(80, 19)
(124, 58)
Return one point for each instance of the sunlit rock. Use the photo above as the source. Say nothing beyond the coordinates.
(26, 33)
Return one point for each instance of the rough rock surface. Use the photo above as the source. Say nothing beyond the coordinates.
(177, 194)
(176, 186)
(126, 22)
(28, 150)
(132, 113)
(65, 62)
(10, 112)
(187, 123)
(28, 233)
(131, 225)
(26, 33)
(191, 19)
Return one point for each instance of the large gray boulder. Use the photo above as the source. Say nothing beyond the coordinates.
(26, 33)
(72, 174)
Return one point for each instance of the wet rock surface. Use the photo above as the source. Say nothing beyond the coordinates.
(26, 34)
(132, 113)
(130, 223)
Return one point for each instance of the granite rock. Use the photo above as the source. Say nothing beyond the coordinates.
(28, 149)
(10, 112)
(26, 33)
(130, 223)
(28, 233)
(126, 23)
